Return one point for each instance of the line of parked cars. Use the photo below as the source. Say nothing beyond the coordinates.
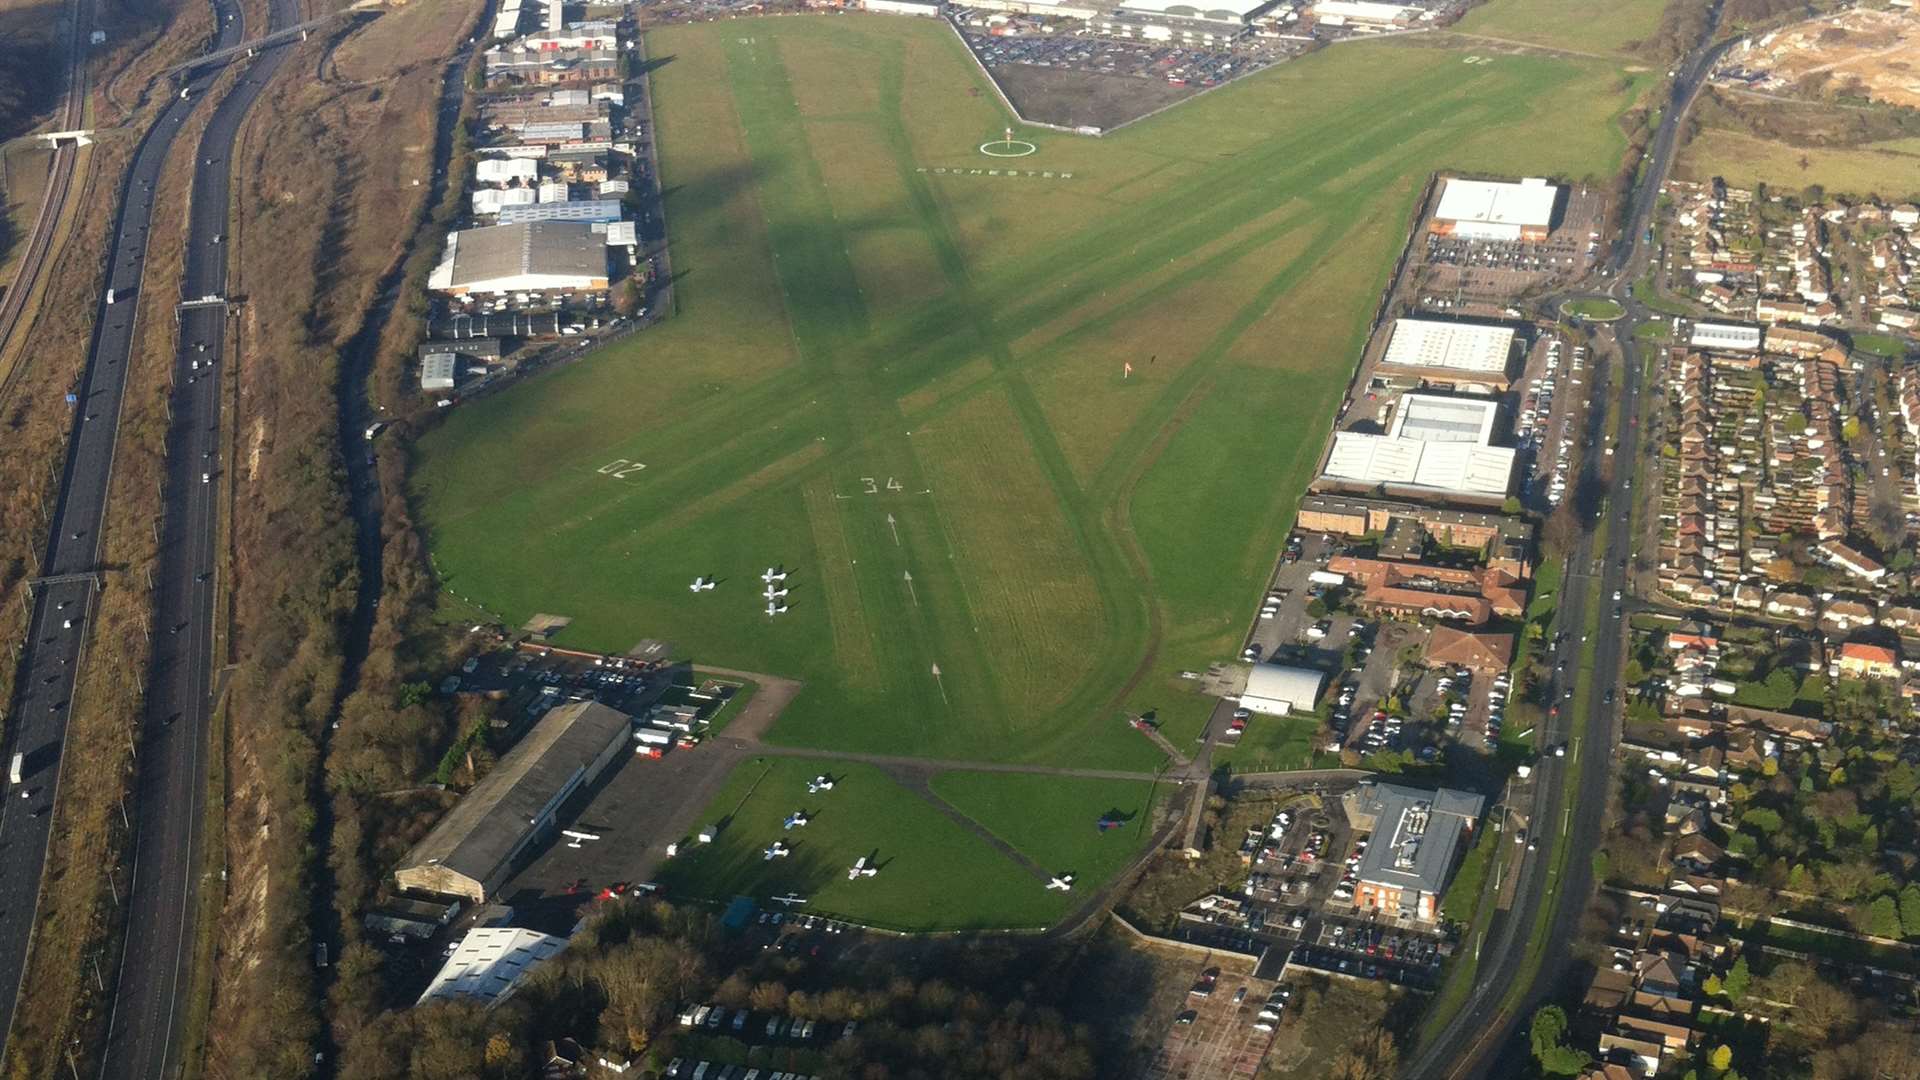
(1350, 878)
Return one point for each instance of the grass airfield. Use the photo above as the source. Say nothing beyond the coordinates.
(878, 369)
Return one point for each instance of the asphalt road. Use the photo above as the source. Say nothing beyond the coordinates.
(63, 601)
(1571, 791)
(156, 960)
(53, 200)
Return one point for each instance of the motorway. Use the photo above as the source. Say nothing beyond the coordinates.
(53, 200)
(64, 595)
(1568, 796)
(155, 970)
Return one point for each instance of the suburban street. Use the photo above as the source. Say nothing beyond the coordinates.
(1569, 795)
(64, 595)
(156, 962)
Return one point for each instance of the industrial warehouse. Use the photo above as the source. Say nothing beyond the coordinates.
(1436, 445)
(1449, 355)
(1496, 210)
(522, 257)
(474, 848)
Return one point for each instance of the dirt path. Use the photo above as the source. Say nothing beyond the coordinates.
(904, 761)
(768, 702)
(1529, 46)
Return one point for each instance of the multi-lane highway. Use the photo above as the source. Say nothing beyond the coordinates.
(64, 598)
(1567, 799)
(53, 200)
(170, 771)
(156, 963)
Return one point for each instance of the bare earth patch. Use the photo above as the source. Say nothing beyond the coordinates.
(1084, 98)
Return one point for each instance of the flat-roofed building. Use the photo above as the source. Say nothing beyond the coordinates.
(1730, 337)
(588, 210)
(472, 850)
(1363, 13)
(1226, 12)
(1496, 210)
(1468, 354)
(1418, 837)
(1415, 466)
(439, 371)
(1432, 418)
(1436, 445)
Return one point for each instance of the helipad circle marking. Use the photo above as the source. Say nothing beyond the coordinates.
(1008, 148)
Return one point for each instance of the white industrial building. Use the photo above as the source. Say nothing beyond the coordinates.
(1496, 209)
(1436, 444)
(1228, 12)
(1276, 690)
(438, 371)
(1431, 418)
(1728, 337)
(506, 25)
(487, 201)
(930, 8)
(1363, 13)
(590, 210)
(530, 256)
(1478, 352)
(506, 170)
(489, 964)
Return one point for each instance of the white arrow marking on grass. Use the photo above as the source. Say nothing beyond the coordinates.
(907, 576)
(895, 529)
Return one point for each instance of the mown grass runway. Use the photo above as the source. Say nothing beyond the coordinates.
(883, 365)
(860, 340)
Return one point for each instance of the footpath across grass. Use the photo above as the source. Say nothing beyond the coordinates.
(1056, 821)
(933, 873)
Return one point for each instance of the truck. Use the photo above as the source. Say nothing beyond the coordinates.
(111, 295)
(19, 765)
(653, 737)
(1327, 577)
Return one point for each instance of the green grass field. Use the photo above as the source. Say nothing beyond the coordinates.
(1274, 744)
(1054, 820)
(921, 853)
(858, 340)
(1580, 26)
(1890, 169)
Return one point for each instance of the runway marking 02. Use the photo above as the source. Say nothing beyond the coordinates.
(620, 468)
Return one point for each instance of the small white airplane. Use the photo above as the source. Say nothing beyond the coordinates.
(820, 783)
(797, 820)
(772, 574)
(1063, 883)
(701, 584)
(790, 899)
(775, 609)
(774, 594)
(578, 837)
(774, 851)
(861, 869)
